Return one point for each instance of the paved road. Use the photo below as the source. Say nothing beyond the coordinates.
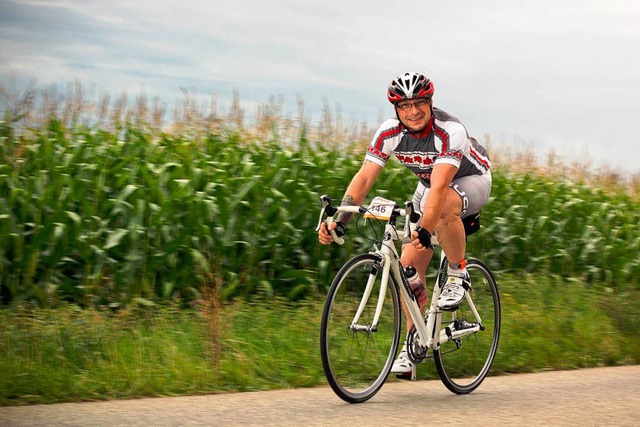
(589, 397)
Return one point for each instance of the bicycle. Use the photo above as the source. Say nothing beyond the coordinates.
(359, 340)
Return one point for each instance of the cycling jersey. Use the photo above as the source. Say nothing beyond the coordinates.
(444, 140)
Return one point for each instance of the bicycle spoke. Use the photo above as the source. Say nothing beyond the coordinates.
(463, 363)
(357, 363)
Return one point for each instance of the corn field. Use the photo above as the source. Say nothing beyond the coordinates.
(537, 224)
(103, 217)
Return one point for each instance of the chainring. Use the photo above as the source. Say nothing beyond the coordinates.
(415, 351)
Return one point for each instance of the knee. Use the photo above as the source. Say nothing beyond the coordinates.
(452, 204)
(411, 256)
(450, 212)
(448, 217)
(408, 255)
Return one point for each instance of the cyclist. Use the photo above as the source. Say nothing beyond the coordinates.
(454, 182)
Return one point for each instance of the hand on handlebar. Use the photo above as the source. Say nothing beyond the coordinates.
(324, 233)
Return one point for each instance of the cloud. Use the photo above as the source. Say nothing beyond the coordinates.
(543, 71)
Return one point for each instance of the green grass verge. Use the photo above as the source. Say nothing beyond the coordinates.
(71, 354)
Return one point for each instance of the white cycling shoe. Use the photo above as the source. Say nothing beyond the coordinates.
(403, 367)
(454, 290)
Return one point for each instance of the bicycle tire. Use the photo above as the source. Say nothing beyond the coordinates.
(356, 364)
(462, 368)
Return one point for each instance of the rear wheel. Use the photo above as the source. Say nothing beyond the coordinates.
(463, 363)
(357, 357)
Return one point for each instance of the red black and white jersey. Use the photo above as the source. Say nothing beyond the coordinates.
(444, 140)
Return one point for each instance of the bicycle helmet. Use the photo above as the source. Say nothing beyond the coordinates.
(409, 86)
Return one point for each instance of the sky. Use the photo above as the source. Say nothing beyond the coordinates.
(538, 74)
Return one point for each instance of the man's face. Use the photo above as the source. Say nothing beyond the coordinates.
(414, 113)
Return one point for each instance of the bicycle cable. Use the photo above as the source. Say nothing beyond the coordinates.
(377, 240)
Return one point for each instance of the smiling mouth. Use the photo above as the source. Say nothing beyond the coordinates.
(415, 119)
(416, 124)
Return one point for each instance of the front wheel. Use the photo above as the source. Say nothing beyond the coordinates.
(464, 362)
(357, 357)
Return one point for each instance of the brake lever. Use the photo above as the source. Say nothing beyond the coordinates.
(320, 219)
(330, 211)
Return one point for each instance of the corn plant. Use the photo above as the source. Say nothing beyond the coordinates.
(103, 217)
(534, 223)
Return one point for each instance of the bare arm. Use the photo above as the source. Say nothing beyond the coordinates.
(441, 178)
(360, 185)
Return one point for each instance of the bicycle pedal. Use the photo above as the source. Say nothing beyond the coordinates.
(406, 377)
(409, 376)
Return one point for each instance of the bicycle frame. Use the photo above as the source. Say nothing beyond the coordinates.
(430, 333)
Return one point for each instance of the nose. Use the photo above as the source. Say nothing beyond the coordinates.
(413, 107)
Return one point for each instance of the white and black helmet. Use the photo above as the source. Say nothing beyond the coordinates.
(409, 86)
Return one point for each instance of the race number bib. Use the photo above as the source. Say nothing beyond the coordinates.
(380, 209)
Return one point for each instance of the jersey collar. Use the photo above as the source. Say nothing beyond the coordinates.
(424, 132)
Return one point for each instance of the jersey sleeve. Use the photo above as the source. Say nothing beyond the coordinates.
(383, 142)
(456, 145)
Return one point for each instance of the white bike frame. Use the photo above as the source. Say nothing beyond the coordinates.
(430, 334)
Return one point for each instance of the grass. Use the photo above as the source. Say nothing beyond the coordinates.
(71, 354)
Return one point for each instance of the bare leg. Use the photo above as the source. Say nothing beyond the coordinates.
(450, 230)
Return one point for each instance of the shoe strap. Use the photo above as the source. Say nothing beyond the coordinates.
(465, 279)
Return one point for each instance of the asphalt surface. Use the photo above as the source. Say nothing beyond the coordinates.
(588, 397)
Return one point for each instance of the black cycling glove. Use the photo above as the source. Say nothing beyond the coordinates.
(340, 229)
(424, 237)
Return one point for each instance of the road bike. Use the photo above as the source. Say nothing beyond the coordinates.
(362, 316)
